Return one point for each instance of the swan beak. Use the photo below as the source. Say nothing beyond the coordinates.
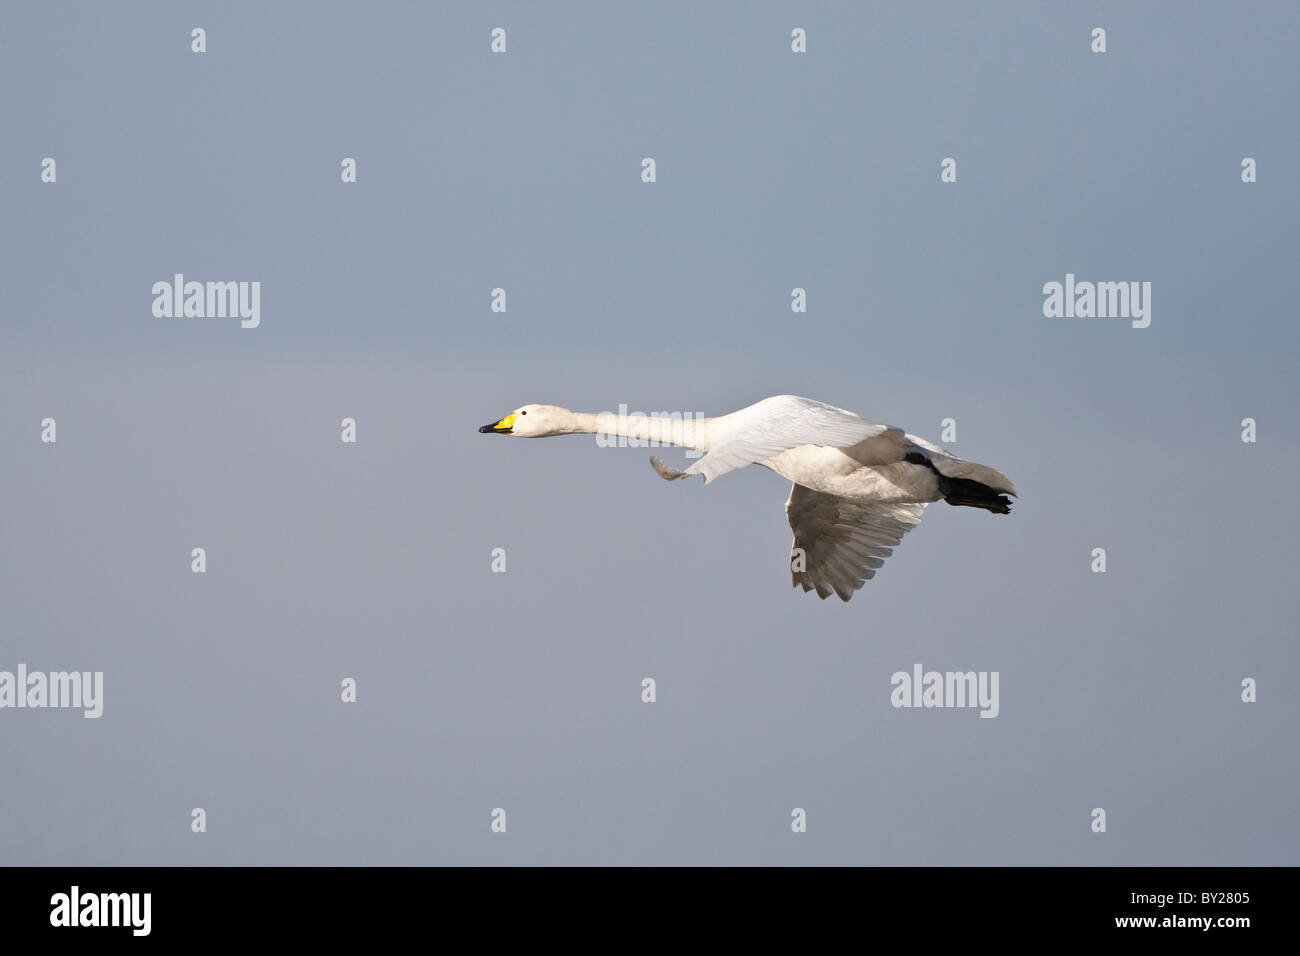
(499, 428)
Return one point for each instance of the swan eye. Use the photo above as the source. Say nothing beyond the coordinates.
(523, 413)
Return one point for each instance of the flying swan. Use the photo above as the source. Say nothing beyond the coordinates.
(859, 486)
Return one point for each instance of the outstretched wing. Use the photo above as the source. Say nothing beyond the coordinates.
(778, 424)
(839, 542)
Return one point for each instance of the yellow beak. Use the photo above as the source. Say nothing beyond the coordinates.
(500, 428)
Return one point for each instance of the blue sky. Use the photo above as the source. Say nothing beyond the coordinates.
(522, 690)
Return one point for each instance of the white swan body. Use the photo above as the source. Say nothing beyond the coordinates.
(857, 486)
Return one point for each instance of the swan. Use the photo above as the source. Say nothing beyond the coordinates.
(857, 486)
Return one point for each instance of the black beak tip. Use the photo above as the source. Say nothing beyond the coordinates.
(493, 430)
(485, 430)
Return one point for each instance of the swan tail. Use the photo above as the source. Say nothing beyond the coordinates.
(967, 492)
(666, 472)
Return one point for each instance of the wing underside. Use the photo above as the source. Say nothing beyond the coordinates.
(840, 543)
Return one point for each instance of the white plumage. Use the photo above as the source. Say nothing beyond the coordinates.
(858, 485)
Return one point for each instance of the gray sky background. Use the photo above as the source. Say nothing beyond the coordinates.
(522, 690)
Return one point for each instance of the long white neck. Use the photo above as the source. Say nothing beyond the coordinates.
(682, 429)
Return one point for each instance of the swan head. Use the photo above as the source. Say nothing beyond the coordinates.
(534, 421)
